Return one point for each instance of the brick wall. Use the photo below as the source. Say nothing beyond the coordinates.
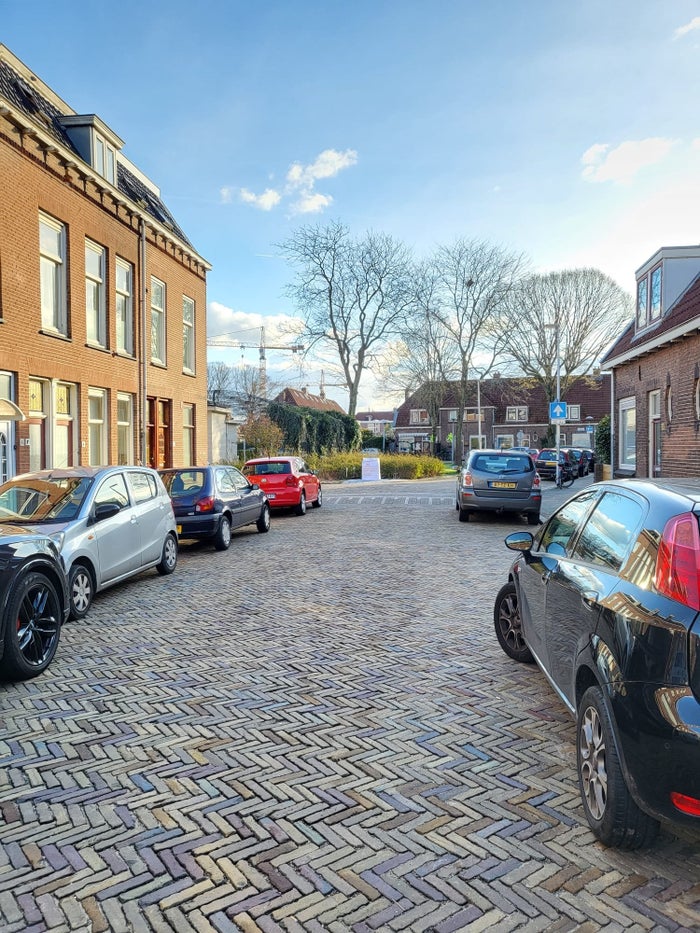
(675, 369)
(34, 180)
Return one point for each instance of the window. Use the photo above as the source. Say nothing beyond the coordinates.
(655, 298)
(557, 532)
(573, 412)
(418, 416)
(124, 306)
(38, 397)
(52, 248)
(113, 491)
(187, 334)
(610, 531)
(503, 441)
(95, 311)
(105, 159)
(642, 291)
(97, 427)
(188, 435)
(62, 443)
(125, 429)
(628, 433)
(516, 413)
(452, 415)
(157, 321)
(669, 404)
(143, 486)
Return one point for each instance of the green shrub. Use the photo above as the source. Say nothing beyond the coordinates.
(348, 465)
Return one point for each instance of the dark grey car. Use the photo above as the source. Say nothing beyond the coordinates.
(499, 481)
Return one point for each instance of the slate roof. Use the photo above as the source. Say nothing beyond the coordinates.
(680, 315)
(303, 399)
(26, 98)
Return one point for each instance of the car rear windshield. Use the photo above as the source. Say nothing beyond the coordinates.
(262, 469)
(42, 500)
(488, 463)
(184, 482)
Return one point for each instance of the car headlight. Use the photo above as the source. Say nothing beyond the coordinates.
(58, 537)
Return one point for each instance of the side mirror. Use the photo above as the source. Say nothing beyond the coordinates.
(520, 541)
(105, 510)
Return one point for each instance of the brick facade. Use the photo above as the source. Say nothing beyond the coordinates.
(42, 175)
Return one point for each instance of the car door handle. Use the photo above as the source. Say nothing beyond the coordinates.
(590, 599)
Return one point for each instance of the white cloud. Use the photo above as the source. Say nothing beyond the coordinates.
(689, 27)
(312, 203)
(300, 184)
(265, 201)
(621, 164)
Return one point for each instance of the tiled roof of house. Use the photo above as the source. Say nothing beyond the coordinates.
(28, 99)
(592, 393)
(374, 415)
(303, 399)
(680, 315)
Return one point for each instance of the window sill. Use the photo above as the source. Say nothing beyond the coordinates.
(189, 372)
(97, 346)
(54, 333)
(158, 364)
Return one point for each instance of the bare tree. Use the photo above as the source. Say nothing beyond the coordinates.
(584, 308)
(474, 283)
(352, 295)
(250, 393)
(219, 383)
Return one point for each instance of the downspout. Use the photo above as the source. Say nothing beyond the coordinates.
(143, 370)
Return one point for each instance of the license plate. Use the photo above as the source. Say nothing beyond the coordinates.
(504, 485)
(179, 529)
(270, 495)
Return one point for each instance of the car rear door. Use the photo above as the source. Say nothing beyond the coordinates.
(309, 479)
(118, 537)
(153, 511)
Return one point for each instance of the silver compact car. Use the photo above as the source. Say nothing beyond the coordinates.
(108, 523)
(499, 481)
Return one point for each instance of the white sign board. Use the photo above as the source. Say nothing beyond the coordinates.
(370, 468)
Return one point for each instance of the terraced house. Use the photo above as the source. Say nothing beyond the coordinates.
(102, 296)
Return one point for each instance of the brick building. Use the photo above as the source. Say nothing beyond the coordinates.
(510, 411)
(656, 371)
(102, 296)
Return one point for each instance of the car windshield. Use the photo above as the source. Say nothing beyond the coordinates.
(34, 501)
(262, 469)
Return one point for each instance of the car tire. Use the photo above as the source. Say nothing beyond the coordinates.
(463, 514)
(222, 538)
(611, 812)
(318, 501)
(301, 508)
(81, 589)
(168, 558)
(508, 625)
(533, 518)
(32, 627)
(263, 523)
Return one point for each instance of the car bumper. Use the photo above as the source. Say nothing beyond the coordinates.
(658, 728)
(472, 501)
(198, 526)
(283, 500)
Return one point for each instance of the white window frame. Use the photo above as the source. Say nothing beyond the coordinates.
(188, 334)
(97, 428)
(452, 415)
(125, 428)
(627, 435)
(418, 416)
(477, 441)
(124, 306)
(655, 308)
(95, 310)
(54, 304)
(516, 413)
(158, 321)
(188, 435)
(104, 158)
(642, 313)
(502, 441)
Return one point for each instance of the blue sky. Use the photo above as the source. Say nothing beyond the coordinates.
(565, 129)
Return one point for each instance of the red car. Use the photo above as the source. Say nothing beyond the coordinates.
(287, 482)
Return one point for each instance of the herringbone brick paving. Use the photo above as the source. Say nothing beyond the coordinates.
(315, 730)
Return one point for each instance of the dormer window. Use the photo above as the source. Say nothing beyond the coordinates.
(649, 298)
(105, 158)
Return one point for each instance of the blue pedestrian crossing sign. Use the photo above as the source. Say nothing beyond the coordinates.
(557, 411)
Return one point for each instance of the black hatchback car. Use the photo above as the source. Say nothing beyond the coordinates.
(606, 599)
(34, 601)
(210, 501)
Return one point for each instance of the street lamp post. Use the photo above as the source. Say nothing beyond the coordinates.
(555, 327)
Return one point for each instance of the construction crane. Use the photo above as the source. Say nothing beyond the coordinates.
(261, 347)
(322, 387)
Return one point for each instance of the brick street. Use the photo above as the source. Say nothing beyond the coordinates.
(315, 730)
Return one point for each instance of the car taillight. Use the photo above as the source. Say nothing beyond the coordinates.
(689, 805)
(467, 479)
(678, 561)
(537, 482)
(291, 481)
(205, 504)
